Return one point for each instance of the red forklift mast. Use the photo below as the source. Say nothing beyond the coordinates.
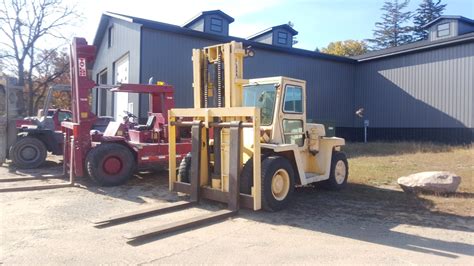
(82, 54)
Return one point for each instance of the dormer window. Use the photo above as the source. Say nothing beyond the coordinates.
(282, 38)
(281, 35)
(216, 24)
(214, 21)
(443, 30)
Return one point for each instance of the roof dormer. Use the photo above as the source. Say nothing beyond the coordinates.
(214, 21)
(448, 26)
(281, 35)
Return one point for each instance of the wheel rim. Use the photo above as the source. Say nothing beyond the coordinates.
(112, 165)
(340, 172)
(29, 153)
(280, 184)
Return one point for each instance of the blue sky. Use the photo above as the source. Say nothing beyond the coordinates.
(317, 21)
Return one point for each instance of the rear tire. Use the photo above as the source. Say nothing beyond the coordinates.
(28, 153)
(110, 164)
(339, 172)
(277, 183)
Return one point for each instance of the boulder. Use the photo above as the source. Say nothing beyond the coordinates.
(434, 182)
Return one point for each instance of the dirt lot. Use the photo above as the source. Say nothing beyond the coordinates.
(370, 222)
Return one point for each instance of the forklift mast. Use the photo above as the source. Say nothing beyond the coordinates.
(218, 75)
(82, 55)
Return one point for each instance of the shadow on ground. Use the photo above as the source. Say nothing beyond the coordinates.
(371, 214)
(366, 214)
(360, 212)
(141, 185)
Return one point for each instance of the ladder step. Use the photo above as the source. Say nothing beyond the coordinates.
(144, 213)
(183, 224)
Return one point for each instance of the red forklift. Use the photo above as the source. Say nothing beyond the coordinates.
(112, 159)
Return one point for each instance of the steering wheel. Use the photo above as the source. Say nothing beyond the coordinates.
(129, 114)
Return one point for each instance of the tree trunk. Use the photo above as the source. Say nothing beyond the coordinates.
(21, 82)
(31, 95)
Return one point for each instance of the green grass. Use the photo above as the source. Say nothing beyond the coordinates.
(381, 164)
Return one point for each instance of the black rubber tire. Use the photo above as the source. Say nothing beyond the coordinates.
(331, 183)
(98, 155)
(184, 169)
(37, 148)
(246, 177)
(270, 166)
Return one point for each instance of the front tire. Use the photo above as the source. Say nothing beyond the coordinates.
(110, 164)
(339, 172)
(28, 153)
(277, 183)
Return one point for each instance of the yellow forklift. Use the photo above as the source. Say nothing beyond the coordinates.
(251, 144)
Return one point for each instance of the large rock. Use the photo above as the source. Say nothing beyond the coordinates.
(435, 182)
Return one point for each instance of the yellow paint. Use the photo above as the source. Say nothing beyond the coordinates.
(172, 151)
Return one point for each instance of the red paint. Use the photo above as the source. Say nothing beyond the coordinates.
(112, 165)
(151, 143)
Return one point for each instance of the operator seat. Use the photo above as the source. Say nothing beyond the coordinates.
(150, 123)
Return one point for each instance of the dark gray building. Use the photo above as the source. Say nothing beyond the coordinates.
(422, 90)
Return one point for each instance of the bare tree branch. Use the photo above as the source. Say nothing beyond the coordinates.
(22, 24)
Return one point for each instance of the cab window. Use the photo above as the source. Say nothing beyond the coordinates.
(64, 116)
(293, 131)
(293, 102)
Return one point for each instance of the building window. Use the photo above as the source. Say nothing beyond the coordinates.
(216, 24)
(293, 100)
(109, 36)
(443, 30)
(282, 38)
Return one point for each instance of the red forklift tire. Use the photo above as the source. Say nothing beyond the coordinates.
(339, 172)
(28, 153)
(110, 164)
(277, 183)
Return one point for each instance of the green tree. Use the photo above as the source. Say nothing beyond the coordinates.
(392, 31)
(427, 11)
(346, 48)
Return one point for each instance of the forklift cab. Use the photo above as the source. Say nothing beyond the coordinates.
(282, 108)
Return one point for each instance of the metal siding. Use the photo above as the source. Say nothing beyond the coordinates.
(167, 57)
(464, 28)
(126, 39)
(430, 89)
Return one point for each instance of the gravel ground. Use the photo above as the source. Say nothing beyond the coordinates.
(54, 227)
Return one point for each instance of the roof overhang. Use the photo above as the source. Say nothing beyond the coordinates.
(427, 45)
(459, 18)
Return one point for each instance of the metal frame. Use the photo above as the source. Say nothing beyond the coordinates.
(196, 192)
